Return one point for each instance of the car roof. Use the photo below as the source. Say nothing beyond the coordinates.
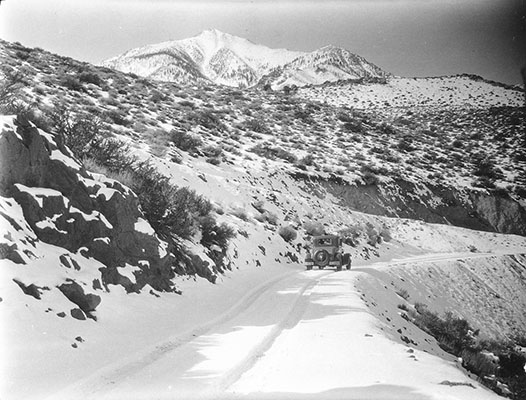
(325, 237)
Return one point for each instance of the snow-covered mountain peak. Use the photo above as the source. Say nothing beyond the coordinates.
(217, 36)
(329, 47)
(212, 40)
(226, 59)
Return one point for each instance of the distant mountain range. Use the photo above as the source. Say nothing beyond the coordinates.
(224, 59)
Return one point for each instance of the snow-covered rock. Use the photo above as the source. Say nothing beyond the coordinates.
(66, 206)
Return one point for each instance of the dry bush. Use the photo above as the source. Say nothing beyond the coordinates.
(288, 233)
(314, 228)
(240, 213)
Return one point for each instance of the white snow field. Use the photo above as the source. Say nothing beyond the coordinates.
(443, 91)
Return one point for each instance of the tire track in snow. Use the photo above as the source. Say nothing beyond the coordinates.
(292, 317)
(106, 377)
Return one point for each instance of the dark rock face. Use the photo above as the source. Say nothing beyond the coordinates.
(69, 207)
(474, 209)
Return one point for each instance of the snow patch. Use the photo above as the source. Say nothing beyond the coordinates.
(39, 193)
(7, 124)
(49, 223)
(128, 271)
(94, 216)
(57, 155)
(49, 137)
(144, 227)
(106, 240)
(163, 248)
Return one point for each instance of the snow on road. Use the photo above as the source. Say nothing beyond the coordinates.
(304, 334)
(338, 350)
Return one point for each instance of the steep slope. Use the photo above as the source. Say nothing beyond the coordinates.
(233, 61)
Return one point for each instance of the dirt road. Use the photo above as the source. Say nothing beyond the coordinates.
(301, 334)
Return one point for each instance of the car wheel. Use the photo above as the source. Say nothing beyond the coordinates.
(322, 258)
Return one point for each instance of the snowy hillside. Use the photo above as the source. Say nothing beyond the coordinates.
(225, 340)
(233, 61)
(110, 291)
(462, 91)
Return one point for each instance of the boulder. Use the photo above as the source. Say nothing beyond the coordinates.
(31, 289)
(87, 302)
(11, 252)
(78, 314)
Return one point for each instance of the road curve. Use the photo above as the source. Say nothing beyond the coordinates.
(300, 332)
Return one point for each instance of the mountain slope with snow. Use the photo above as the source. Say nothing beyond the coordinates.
(459, 91)
(233, 61)
(213, 55)
(270, 163)
(328, 64)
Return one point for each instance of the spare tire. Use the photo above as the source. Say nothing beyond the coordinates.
(321, 258)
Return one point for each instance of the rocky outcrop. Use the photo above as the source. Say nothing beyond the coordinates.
(86, 213)
(485, 210)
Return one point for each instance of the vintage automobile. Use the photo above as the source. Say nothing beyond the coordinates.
(327, 251)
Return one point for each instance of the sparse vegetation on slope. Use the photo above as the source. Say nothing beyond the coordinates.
(499, 365)
(175, 213)
(187, 153)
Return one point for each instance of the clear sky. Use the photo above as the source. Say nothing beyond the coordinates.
(404, 37)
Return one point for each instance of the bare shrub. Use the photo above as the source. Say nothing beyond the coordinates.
(90, 77)
(214, 234)
(71, 82)
(268, 151)
(10, 86)
(76, 131)
(314, 228)
(256, 125)
(403, 293)
(169, 209)
(186, 141)
(288, 233)
(240, 213)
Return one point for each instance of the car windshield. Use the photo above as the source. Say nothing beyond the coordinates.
(324, 242)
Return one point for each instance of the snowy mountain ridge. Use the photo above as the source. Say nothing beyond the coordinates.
(234, 61)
